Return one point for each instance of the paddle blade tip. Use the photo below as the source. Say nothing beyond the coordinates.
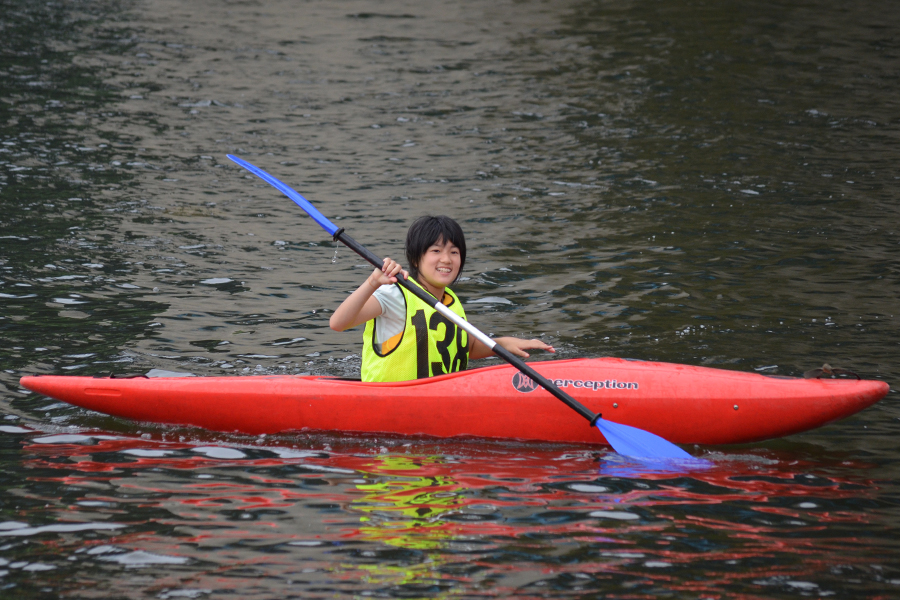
(637, 443)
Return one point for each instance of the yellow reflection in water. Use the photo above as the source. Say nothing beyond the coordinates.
(403, 503)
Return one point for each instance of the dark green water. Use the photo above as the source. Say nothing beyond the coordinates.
(703, 183)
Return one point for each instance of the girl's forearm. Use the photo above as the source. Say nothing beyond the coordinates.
(479, 350)
(348, 314)
(360, 306)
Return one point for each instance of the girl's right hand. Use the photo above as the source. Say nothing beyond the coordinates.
(387, 274)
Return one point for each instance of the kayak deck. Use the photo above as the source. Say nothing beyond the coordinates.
(681, 403)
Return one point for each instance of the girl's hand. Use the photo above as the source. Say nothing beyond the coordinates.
(518, 346)
(361, 305)
(387, 274)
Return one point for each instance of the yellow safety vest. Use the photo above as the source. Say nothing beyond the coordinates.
(430, 344)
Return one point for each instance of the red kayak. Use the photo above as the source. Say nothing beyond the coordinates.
(683, 404)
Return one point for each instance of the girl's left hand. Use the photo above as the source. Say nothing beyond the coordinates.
(518, 346)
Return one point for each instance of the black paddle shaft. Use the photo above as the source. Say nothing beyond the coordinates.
(341, 236)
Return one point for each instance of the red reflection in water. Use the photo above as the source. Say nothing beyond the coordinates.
(470, 514)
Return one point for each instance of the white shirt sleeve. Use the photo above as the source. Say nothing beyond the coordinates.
(393, 313)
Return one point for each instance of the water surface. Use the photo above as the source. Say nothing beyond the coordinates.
(700, 183)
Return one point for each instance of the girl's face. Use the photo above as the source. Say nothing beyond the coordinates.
(439, 266)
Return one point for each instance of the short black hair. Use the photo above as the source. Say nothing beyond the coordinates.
(429, 230)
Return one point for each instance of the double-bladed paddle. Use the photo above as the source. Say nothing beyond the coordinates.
(626, 440)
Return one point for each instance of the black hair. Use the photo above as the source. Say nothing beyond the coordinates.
(427, 231)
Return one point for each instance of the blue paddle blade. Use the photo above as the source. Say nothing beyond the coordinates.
(285, 189)
(637, 443)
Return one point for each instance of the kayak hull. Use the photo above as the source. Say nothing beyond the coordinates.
(681, 403)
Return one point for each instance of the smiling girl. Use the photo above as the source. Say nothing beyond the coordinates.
(404, 337)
